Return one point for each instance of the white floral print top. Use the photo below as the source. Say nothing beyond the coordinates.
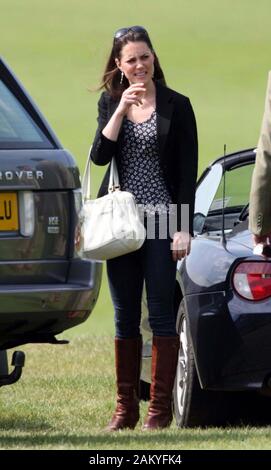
(140, 169)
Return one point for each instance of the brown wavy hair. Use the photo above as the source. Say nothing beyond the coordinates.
(112, 75)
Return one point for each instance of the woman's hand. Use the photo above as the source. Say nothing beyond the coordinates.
(129, 97)
(181, 245)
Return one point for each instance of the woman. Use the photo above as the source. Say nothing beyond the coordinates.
(151, 132)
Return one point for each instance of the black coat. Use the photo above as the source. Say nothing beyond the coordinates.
(177, 145)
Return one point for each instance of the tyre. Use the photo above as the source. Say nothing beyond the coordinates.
(192, 405)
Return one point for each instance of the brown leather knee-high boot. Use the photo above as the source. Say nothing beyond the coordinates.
(128, 362)
(164, 364)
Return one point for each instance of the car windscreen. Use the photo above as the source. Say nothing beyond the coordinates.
(237, 186)
(17, 128)
(231, 197)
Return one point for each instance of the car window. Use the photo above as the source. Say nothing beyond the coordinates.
(237, 187)
(17, 128)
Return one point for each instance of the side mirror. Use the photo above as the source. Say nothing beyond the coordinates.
(198, 222)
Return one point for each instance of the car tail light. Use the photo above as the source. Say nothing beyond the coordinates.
(78, 238)
(252, 280)
(27, 213)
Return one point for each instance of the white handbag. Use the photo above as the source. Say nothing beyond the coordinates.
(111, 224)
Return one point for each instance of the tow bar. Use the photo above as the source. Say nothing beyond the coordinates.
(18, 360)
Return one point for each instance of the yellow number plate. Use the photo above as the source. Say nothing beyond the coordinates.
(9, 220)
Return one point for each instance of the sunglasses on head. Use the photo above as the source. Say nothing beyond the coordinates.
(135, 29)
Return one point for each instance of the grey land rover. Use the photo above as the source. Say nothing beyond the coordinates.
(46, 286)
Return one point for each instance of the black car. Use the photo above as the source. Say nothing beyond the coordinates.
(223, 305)
(45, 284)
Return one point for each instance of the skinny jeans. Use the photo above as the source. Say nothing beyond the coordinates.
(153, 264)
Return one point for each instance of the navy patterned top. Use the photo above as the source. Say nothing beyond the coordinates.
(140, 169)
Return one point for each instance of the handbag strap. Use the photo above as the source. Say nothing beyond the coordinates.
(113, 178)
(114, 183)
(86, 179)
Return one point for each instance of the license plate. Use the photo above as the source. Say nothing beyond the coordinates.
(9, 220)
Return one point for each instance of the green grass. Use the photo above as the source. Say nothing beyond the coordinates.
(66, 397)
(217, 53)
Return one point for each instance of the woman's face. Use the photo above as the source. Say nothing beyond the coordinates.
(136, 62)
